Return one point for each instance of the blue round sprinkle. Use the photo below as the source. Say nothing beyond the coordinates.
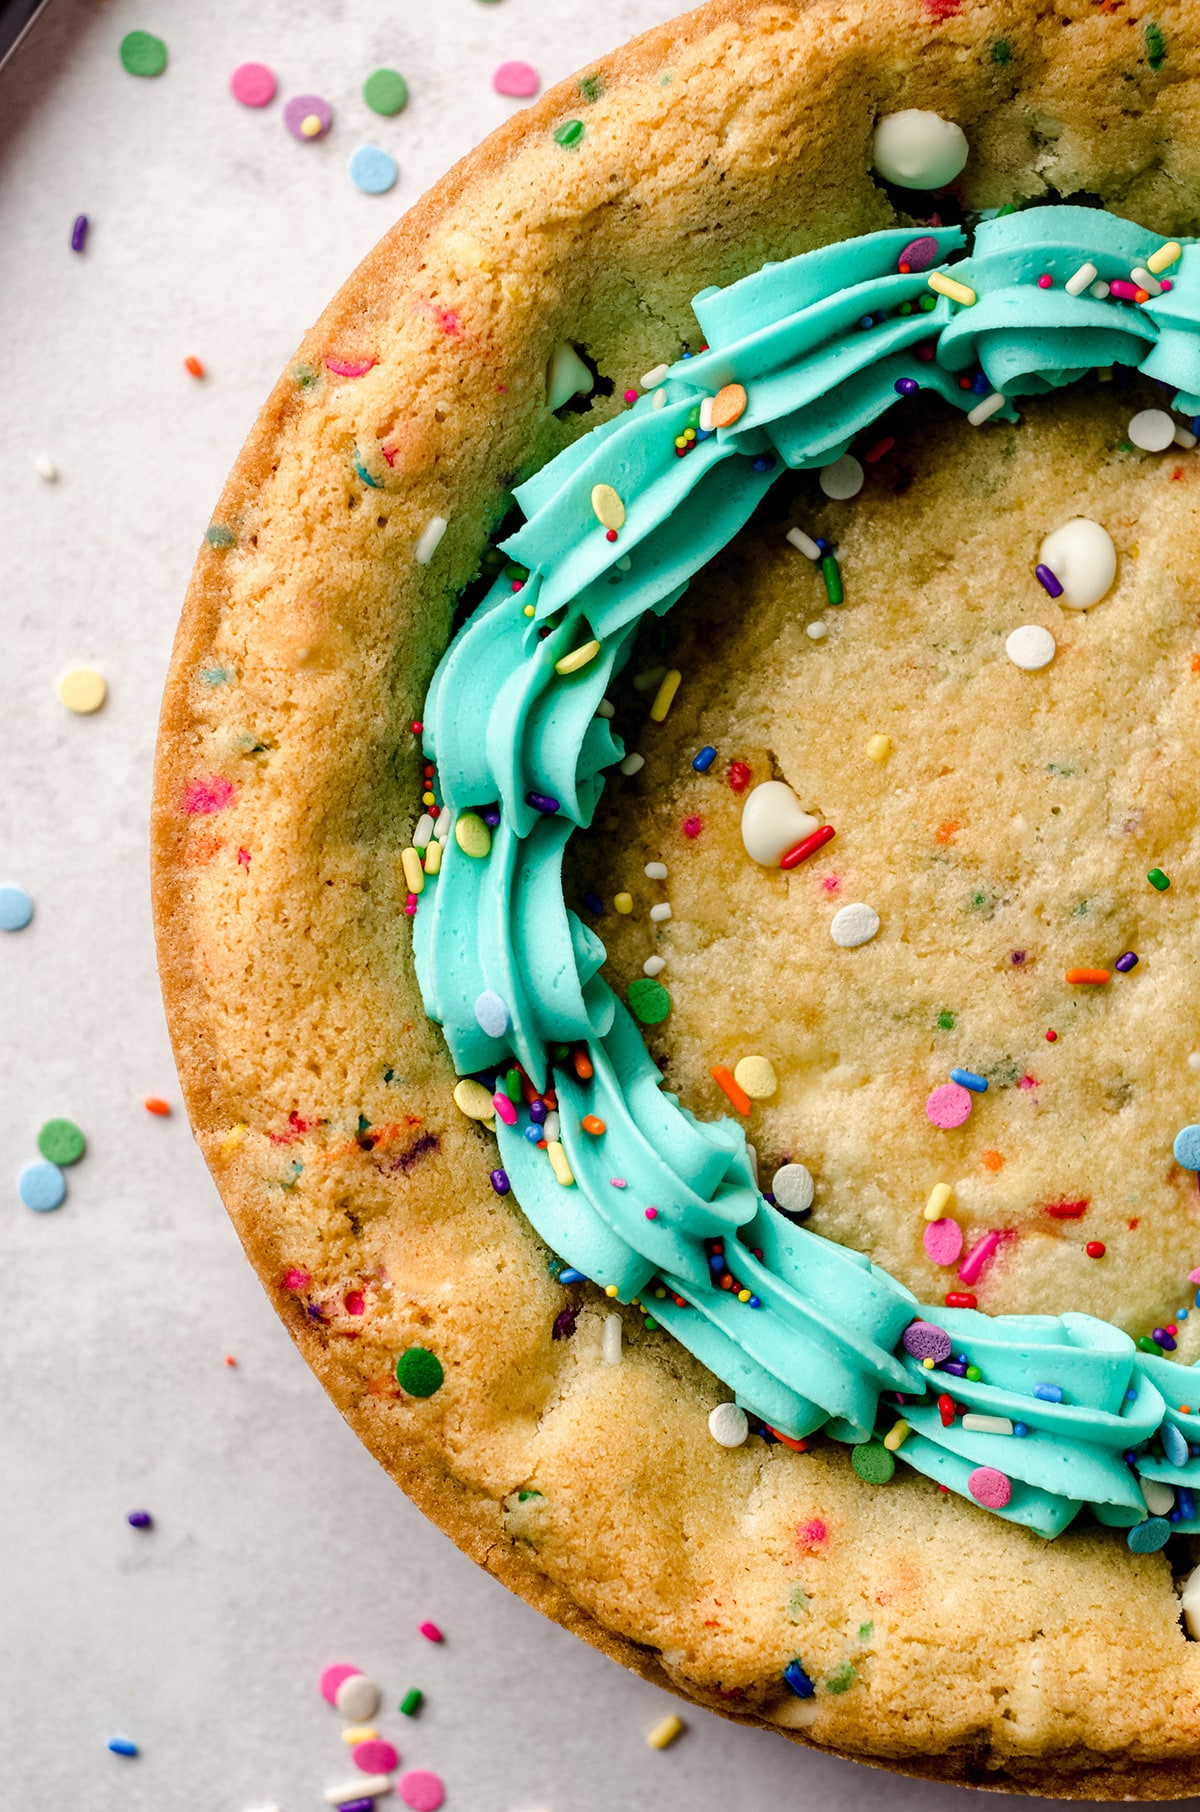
(1187, 1148)
(1173, 1444)
(704, 760)
(373, 170)
(16, 908)
(533, 1133)
(980, 385)
(968, 1079)
(492, 1013)
(1020, 1428)
(42, 1186)
(763, 462)
(1150, 1536)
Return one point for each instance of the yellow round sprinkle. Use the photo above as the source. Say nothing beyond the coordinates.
(561, 1168)
(428, 799)
(578, 657)
(928, 1364)
(414, 874)
(879, 747)
(681, 440)
(896, 1435)
(233, 1139)
(665, 696)
(472, 1099)
(664, 1732)
(528, 610)
(623, 902)
(433, 858)
(611, 1289)
(609, 509)
(743, 1295)
(940, 1198)
(310, 125)
(82, 690)
(950, 286)
(756, 1077)
(472, 835)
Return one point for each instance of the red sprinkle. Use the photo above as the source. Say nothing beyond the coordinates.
(878, 449)
(610, 534)
(692, 827)
(796, 1446)
(946, 1410)
(807, 846)
(1051, 1037)
(1067, 1211)
(739, 776)
(961, 1299)
(1095, 1248)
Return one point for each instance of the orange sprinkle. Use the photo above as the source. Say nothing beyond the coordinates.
(1185, 1409)
(946, 831)
(1196, 663)
(726, 1083)
(593, 1124)
(549, 1097)
(154, 1104)
(1092, 976)
(583, 1065)
(229, 1359)
(193, 366)
(992, 1160)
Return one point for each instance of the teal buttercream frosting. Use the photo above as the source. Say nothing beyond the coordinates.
(663, 1206)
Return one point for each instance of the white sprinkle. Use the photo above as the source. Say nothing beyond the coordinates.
(1084, 276)
(804, 544)
(1031, 647)
(423, 832)
(854, 925)
(431, 539)
(1099, 290)
(728, 1425)
(647, 680)
(982, 412)
(660, 398)
(1189, 1601)
(773, 822)
(654, 965)
(1082, 558)
(1193, 1061)
(655, 871)
(1160, 1498)
(1141, 276)
(660, 913)
(842, 479)
(633, 764)
(973, 1424)
(606, 708)
(654, 377)
(45, 468)
(792, 1187)
(1185, 438)
(610, 1341)
(1152, 430)
(817, 631)
(357, 1699)
(706, 409)
(367, 1786)
(551, 1126)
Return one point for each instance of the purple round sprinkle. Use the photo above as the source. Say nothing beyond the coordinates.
(906, 386)
(542, 802)
(138, 1519)
(500, 1182)
(1018, 957)
(79, 232)
(491, 816)
(926, 1341)
(920, 253)
(537, 1112)
(1046, 578)
(307, 106)
(1126, 962)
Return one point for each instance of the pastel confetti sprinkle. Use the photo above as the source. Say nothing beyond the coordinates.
(519, 81)
(61, 1142)
(16, 907)
(943, 1241)
(357, 1698)
(989, 1487)
(925, 1340)
(373, 170)
(307, 117)
(421, 1789)
(374, 1756)
(948, 1106)
(252, 84)
(665, 1731)
(386, 92)
(42, 1186)
(332, 1678)
(83, 690)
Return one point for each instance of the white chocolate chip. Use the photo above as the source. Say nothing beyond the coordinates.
(773, 822)
(918, 149)
(1082, 558)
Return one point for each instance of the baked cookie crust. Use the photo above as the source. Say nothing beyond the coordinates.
(288, 783)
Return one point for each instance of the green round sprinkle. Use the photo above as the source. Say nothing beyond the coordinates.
(143, 54)
(419, 1372)
(1001, 51)
(61, 1142)
(1158, 880)
(385, 91)
(305, 376)
(219, 536)
(569, 134)
(649, 1324)
(591, 87)
(974, 1374)
(945, 1020)
(648, 1000)
(872, 1462)
(410, 1704)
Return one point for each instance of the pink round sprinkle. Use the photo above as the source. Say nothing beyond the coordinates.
(1194, 1276)
(252, 84)
(519, 80)
(431, 1632)
(652, 1214)
(943, 1241)
(631, 396)
(1045, 281)
(990, 1488)
(421, 1789)
(332, 1678)
(949, 1105)
(374, 1756)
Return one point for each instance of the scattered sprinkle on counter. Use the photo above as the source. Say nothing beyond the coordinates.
(61, 1142)
(142, 54)
(386, 92)
(154, 1104)
(253, 84)
(79, 232)
(373, 170)
(354, 1696)
(516, 80)
(307, 117)
(412, 1701)
(421, 1790)
(16, 907)
(429, 1630)
(82, 690)
(122, 1745)
(665, 1731)
(139, 1519)
(41, 1186)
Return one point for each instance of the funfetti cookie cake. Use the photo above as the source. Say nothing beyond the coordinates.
(677, 864)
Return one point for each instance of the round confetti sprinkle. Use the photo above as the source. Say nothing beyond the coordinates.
(143, 54)
(1187, 1148)
(792, 1187)
(252, 84)
(1174, 1445)
(1150, 1536)
(385, 91)
(473, 1099)
(42, 1186)
(301, 111)
(728, 1425)
(472, 835)
(1152, 430)
(918, 150)
(948, 1106)
(1031, 647)
(1081, 557)
(943, 1241)
(608, 507)
(1095, 1248)
(854, 925)
(925, 1340)
(421, 1789)
(519, 81)
(373, 170)
(16, 908)
(492, 1014)
(756, 1076)
(61, 1142)
(990, 1487)
(82, 690)
(648, 1000)
(332, 1678)
(375, 1756)
(842, 479)
(419, 1372)
(729, 405)
(872, 1462)
(357, 1698)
